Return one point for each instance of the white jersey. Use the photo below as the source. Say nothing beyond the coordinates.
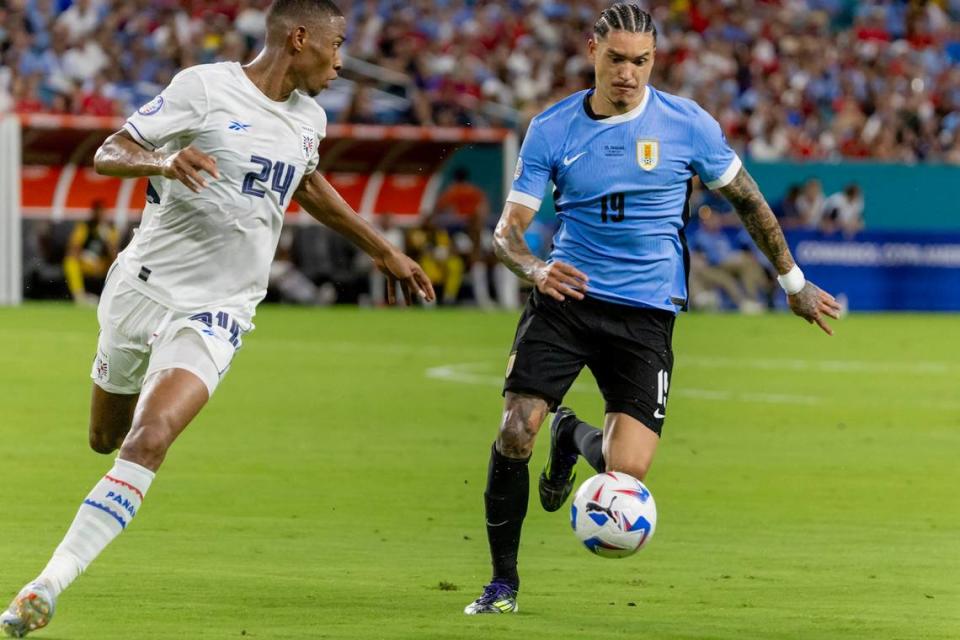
(213, 249)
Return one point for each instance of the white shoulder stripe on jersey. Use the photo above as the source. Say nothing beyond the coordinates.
(525, 199)
(131, 128)
(727, 176)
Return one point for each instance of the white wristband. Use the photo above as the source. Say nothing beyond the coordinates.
(792, 281)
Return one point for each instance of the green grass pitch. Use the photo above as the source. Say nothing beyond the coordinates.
(806, 485)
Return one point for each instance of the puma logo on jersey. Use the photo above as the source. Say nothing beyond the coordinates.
(236, 125)
(567, 161)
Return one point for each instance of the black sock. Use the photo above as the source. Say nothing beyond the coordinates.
(588, 441)
(508, 489)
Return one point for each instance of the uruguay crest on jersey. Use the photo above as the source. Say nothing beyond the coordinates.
(309, 142)
(648, 154)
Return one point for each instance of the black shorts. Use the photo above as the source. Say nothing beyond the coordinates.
(628, 350)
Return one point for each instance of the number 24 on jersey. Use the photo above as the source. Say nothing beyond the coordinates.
(282, 178)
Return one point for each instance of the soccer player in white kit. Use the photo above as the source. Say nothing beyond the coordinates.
(225, 149)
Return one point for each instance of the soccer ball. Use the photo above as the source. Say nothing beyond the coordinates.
(613, 515)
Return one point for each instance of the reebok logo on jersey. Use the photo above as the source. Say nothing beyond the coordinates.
(567, 161)
(236, 125)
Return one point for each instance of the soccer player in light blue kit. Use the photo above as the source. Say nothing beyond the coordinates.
(622, 157)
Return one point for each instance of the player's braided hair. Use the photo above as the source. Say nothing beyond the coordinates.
(624, 16)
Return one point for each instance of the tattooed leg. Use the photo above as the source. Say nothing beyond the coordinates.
(522, 417)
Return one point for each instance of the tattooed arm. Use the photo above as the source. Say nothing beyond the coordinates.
(810, 303)
(759, 220)
(555, 279)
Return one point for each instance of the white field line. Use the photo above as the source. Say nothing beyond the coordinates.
(705, 362)
(471, 373)
(478, 373)
(822, 366)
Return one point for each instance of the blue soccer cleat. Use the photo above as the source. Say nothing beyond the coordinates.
(497, 597)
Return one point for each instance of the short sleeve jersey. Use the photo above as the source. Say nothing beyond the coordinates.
(622, 189)
(214, 248)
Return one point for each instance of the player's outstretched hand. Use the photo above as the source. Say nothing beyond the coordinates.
(399, 268)
(813, 303)
(185, 165)
(558, 280)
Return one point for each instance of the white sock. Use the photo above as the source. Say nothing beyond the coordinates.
(481, 287)
(105, 513)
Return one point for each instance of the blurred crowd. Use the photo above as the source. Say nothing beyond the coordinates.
(313, 265)
(107, 57)
(790, 79)
(787, 79)
(729, 271)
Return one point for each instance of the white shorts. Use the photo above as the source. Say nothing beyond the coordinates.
(139, 337)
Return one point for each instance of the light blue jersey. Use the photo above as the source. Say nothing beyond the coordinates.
(622, 190)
